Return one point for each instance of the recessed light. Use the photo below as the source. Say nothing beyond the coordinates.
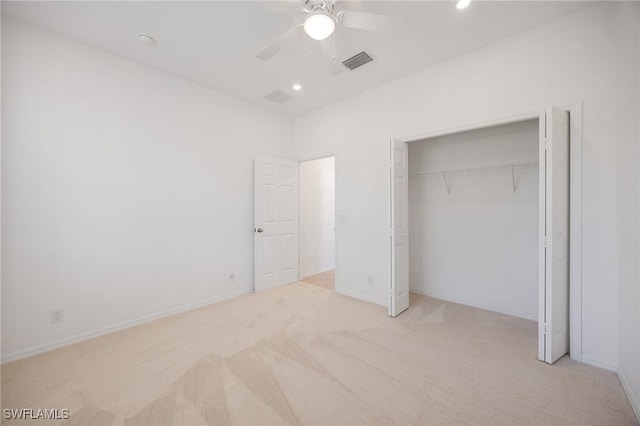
(297, 87)
(146, 40)
(463, 4)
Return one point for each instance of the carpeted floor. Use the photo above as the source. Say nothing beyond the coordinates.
(303, 354)
(324, 279)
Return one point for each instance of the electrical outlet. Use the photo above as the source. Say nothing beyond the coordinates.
(232, 276)
(370, 279)
(57, 316)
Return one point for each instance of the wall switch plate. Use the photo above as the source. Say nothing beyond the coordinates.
(57, 316)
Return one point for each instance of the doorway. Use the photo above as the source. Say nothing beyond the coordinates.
(317, 180)
(559, 252)
(473, 216)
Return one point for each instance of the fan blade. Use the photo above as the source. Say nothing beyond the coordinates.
(370, 21)
(279, 43)
(329, 50)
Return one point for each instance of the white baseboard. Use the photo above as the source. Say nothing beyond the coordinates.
(317, 271)
(633, 399)
(472, 304)
(38, 349)
(586, 359)
(363, 297)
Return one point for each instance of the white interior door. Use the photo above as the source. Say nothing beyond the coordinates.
(553, 319)
(276, 222)
(399, 294)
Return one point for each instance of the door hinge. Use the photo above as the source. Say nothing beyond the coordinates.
(545, 241)
(543, 328)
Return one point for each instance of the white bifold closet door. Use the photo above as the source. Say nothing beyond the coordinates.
(553, 258)
(399, 292)
(276, 222)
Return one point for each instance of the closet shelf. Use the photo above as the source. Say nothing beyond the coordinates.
(515, 166)
(512, 167)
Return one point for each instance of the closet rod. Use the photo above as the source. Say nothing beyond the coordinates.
(517, 166)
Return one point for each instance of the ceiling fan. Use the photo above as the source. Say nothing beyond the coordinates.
(320, 23)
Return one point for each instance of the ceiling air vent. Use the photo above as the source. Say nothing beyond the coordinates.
(278, 97)
(357, 61)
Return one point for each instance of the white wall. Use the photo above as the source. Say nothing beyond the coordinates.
(127, 192)
(629, 217)
(578, 58)
(317, 216)
(478, 244)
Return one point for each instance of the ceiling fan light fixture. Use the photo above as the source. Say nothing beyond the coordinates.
(319, 25)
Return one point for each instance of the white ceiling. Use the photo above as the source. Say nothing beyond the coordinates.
(215, 43)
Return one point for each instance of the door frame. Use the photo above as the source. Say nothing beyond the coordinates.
(304, 159)
(575, 203)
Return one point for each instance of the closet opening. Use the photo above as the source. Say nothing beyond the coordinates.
(473, 218)
(317, 222)
(480, 216)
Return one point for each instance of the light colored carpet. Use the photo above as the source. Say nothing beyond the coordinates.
(324, 279)
(302, 354)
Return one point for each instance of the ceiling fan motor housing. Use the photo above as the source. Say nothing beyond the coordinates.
(319, 6)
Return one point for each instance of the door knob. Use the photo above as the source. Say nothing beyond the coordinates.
(259, 230)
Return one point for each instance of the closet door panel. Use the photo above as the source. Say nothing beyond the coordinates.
(554, 235)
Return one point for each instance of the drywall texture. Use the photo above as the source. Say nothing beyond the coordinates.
(126, 192)
(578, 58)
(478, 243)
(317, 216)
